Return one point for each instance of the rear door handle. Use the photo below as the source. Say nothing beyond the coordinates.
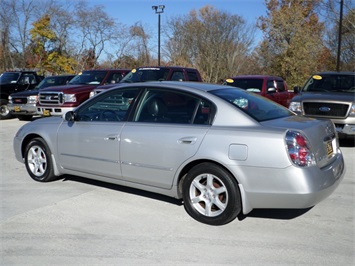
(187, 140)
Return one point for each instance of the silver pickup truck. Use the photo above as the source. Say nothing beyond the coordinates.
(329, 95)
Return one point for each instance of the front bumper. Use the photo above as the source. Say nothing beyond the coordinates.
(22, 109)
(53, 110)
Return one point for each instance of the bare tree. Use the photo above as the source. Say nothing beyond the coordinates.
(215, 42)
(95, 29)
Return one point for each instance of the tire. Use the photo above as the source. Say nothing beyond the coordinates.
(38, 161)
(211, 194)
(4, 110)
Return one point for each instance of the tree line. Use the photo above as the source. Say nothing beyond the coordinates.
(299, 38)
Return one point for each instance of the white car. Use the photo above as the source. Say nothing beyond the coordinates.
(222, 150)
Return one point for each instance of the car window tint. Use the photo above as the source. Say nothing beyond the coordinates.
(160, 106)
(256, 106)
(109, 107)
(178, 76)
(192, 75)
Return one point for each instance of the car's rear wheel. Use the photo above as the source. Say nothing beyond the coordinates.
(211, 194)
(38, 161)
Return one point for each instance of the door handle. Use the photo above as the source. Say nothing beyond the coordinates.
(113, 137)
(187, 140)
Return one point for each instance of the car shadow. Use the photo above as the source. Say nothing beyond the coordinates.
(277, 214)
(124, 189)
(347, 142)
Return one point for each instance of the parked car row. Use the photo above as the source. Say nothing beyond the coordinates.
(325, 95)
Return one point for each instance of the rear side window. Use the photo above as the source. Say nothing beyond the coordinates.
(256, 106)
(160, 106)
(192, 76)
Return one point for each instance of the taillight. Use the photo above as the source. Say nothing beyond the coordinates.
(298, 149)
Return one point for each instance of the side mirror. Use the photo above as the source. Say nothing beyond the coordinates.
(271, 89)
(69, 116)
(296, 89)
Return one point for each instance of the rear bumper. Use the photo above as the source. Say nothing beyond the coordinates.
(292, 187)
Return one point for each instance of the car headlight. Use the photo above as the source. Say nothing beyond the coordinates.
(92, 93)
(352, 111)
(32, 99)
(295, 107)
(10, 99)
(69, 98)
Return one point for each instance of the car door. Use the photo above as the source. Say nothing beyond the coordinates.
(167, 130)
(91, 143)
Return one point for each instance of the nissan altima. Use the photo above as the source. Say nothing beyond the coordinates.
(223, 151)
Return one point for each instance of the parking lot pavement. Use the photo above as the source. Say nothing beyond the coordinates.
(76, 221)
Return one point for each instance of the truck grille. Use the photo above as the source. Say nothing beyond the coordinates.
(50, 98)
(326, 109)
(19, 100)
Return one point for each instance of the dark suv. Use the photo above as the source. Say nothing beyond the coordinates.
(329, 95)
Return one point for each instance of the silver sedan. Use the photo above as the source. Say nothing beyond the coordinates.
(222, 150)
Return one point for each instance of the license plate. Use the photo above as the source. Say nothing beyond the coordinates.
(329, 148)
(46, 113)
(17, 109)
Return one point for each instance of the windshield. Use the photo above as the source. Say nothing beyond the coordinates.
(254, 85)
(331, 83)
(256, 106)
(146, 74)
(9, 77)
(88, 77)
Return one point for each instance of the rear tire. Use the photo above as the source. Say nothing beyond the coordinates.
(211, 194)
(38, 161)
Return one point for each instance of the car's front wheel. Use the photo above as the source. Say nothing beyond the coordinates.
(38, 160)
(4, 110)
(211, 194)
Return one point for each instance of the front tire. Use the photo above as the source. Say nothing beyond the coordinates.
(38, 161)
(211, 194)
(4, 110)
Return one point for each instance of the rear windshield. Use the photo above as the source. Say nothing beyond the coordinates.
(146, 74)
(256, 106)
(254, 85)
(331, 83)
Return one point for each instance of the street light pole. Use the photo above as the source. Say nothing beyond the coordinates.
(158, 10)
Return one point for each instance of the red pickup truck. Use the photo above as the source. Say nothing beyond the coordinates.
(58, 100)
(272, 87)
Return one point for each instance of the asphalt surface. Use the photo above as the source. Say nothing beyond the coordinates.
(75, 221)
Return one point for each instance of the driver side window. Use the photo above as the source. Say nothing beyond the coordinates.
(109, 107)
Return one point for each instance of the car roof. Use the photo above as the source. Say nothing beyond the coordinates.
(255, 77)
(335, 73)
(164, 67)
(185, 85)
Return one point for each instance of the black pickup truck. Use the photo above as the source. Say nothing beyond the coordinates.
(15, 81)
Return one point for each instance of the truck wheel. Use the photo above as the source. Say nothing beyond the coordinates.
(4, 111)
(211, 194)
